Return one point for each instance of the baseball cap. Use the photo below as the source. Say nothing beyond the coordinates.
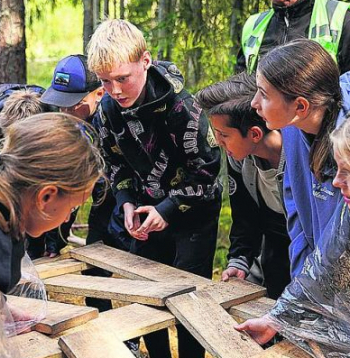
(71, 82)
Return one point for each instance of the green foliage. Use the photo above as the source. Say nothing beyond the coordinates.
(220, 260)
(57, 34)
(51, 37)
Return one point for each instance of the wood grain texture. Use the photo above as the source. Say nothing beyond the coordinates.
(36, 345)
(135, 267)
(130, 321)
(234, 292)
(283, 349)
(46, 259)
(90, 343)
(150, 293)
(132, 266)
(60, 267)
(252, 309)
(135, 320)
(212, 326)
(59, 316)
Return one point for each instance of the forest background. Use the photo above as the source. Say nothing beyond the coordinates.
(201, 36)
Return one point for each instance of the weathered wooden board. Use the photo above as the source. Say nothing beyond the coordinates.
(234, 292)
(59, 317)
(46, 259)
(252, 309)
(283, 350)
(66, 298)
(91, 343)
(135, 267)
(36, 345)
(131, 321)
(135, 320)
(60, 267)
(150, 293)
(132, 266)
(212, 326)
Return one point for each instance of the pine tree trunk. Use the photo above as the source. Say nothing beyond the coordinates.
(162, 33)
(236, 26)
(12, 42)
(192, 15)
(88, 22)
(122, 9)
(105, 9)
(96, 11)
(171, 26)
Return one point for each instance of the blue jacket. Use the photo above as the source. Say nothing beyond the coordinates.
(310, 205)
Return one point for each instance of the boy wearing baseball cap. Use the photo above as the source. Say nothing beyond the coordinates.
(164, 162)
(77, 91)
(74, 89)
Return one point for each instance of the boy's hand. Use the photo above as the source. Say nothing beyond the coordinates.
(153, 222)
(132, 221)
(260, 329)
(232, 272)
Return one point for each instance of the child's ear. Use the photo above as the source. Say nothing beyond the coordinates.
(302, 106)
(256, 134)
(99, 94)
(146, 60)
(45, 196)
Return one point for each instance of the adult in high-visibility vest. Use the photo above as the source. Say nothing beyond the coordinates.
(324, 21)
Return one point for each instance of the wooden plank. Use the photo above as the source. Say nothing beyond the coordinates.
(212, 326)
(46, 259)
(133, 266)
(151, 293)
(252, 309)
(66, 298)
(135, 320)
(59, 317)
(36, 345)
(90, 343)
(60, 267)
(283, 349)
(130, 321)
(234, 292)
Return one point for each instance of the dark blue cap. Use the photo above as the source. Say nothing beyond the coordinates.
(71, 82)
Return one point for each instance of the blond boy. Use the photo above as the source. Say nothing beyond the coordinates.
(164, 161)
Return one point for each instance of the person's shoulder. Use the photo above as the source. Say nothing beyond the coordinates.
(171, 73)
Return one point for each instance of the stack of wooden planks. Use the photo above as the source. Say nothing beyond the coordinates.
(156, 296)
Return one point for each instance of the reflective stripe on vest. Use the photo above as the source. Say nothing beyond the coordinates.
(326, 27)
(252, 36)
(326, 24)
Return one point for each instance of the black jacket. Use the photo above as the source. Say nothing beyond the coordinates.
(11, 254)
(298, 17)
(251, 218)
(162, 153)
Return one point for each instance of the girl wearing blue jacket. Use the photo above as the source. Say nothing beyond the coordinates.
(299, 92)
